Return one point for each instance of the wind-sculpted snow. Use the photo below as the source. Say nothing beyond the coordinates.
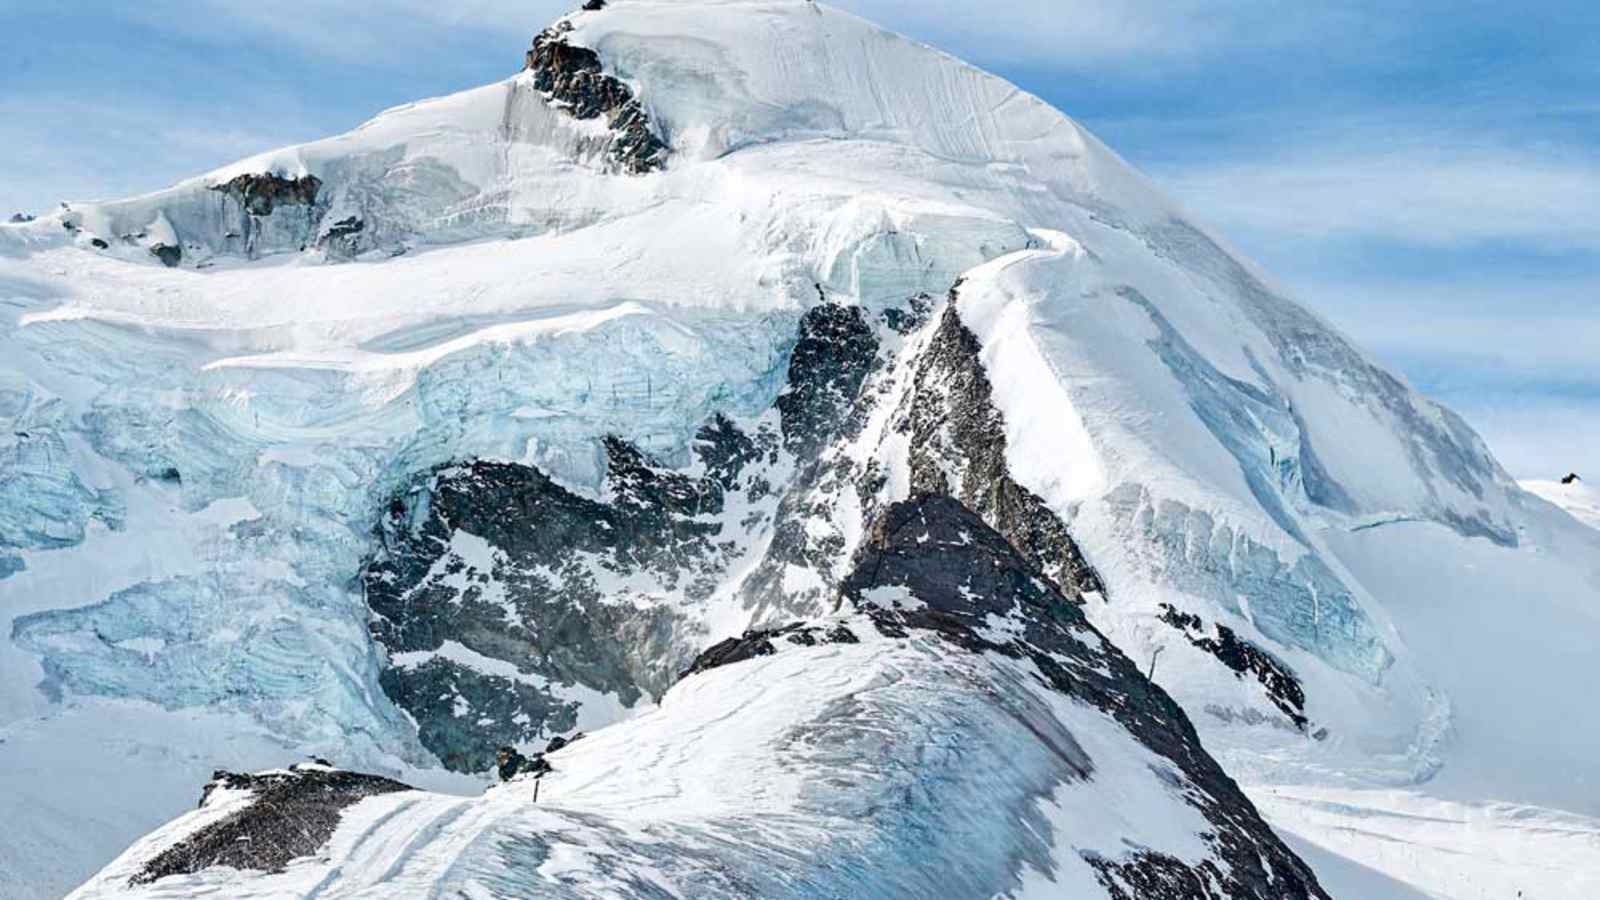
(213, 397)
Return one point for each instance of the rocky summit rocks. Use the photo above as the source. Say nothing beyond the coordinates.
(262, 193)
(288, 814)
(573, 78)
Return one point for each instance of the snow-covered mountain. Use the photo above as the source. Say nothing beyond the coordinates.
(481, 424)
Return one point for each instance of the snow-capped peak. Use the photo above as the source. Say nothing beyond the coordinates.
(504, 406)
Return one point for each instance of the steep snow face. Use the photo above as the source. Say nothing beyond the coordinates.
(212, 397)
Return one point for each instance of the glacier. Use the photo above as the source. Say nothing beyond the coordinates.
(202, 444)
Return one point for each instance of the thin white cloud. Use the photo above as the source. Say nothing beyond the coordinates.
(1437, 191)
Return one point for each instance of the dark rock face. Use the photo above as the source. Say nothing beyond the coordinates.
(965, 576)
(538, 602)
(759, 642)
(20, 218)
(260, 194)
(912, 317)
(835, 352)
(823, 404)
(557, 742)
(573, 78)
(838, 375)
(1243, 657)
(1572, 478)
(169, 254)
(533, 581)
(958, 448)
(272, 210)
(342, 238)
(727, 451)
(509, 764)
(292, 814)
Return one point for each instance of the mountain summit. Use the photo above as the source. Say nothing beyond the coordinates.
(903, 496)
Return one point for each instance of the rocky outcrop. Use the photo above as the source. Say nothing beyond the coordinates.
(727, 451)
(492, 586)
(824, 405)
(268, 212)
(290, 814)
(840, 373)
(931, 565)
(342, 238)
(169, 254)
(760, 642)
(958, 448)
(520, 572)
(572, 78)
(1244, 658)
(260, 194)
(510, 764)
(835, 351)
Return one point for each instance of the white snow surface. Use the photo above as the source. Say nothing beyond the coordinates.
(191, 458)
(833, 751)
(1579, 498)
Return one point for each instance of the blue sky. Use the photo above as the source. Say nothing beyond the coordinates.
(1425, 173)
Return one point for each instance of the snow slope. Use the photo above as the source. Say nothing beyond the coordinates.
(712, 793)
(196, 455)
(1578, 498)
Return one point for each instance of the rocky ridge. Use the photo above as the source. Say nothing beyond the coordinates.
(573, 78)
(287, 814)
(931, 565)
